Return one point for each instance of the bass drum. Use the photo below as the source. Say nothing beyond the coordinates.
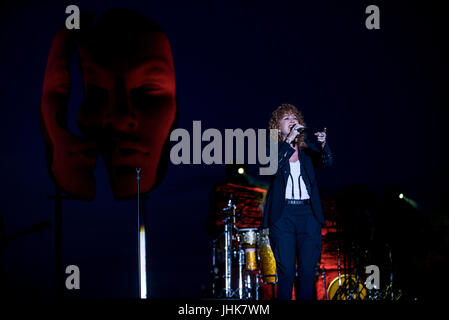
(347, 290)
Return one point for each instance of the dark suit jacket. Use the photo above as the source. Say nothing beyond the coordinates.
(309, 157)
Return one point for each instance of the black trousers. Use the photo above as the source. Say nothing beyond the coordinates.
(297, 234)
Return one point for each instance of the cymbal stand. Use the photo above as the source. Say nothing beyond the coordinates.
(357, 283)
(229, 225)
(214, 270)
(356, 252)
(345, 287)
(391, 272)
(339, 269)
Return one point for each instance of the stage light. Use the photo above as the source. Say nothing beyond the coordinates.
(241, 171)
(411, 202)
(408, 200)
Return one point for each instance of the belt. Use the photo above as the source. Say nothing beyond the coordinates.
(297, 202)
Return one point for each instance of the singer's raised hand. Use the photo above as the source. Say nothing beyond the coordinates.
(321, 136)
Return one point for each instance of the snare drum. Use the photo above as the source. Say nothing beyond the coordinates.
(249, 236)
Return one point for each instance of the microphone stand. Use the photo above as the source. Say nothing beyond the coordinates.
(141, 247)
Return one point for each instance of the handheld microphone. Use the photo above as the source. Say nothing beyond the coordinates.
(301, 130)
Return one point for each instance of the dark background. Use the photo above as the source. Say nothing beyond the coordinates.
(382, 94)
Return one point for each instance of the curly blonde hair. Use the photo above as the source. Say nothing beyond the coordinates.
(281, 111)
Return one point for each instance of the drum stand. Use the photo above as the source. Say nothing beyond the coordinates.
(345, 288)
(323, 277)
(257, 286)
(388, 292)
(248, 286)
(248, 279)
(245, 279)
(241, 253)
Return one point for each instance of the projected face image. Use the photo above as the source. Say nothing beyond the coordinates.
(129, 102)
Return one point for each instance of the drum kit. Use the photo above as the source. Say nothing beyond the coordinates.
(242, 260)
(243, 263)
(347, 275)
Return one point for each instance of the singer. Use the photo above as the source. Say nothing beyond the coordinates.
(292, 210)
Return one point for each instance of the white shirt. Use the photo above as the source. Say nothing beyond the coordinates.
(295, 175)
